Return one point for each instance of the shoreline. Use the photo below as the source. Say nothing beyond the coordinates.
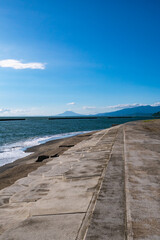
(19, 149)
(11, 172)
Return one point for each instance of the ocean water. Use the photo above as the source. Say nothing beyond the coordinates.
(16, 136)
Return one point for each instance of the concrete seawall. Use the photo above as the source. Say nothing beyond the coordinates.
(105, 187)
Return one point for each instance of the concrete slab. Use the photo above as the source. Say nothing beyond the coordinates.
(33, 192)
(108, 221)
(143, 181)
(12, 214)
(50, 191)
(66, 196)
(52, 227)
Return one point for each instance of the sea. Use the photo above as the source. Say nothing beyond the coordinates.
(17, 136)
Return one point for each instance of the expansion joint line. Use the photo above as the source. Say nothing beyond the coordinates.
(92, 204)
(58, 214)
(128, 218)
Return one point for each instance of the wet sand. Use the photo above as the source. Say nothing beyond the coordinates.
(20, 168)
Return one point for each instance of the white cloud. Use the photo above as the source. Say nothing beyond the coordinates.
(155, 104)
(2, 110)
(12, 112)
(88, 107)
(119, 106)
(15, 64)
(71, 103)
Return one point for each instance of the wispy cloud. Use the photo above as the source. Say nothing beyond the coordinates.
(156, 104)
(12, 112)
(119, 106)
(88, 107)
(2, 110)
(71, 103)
(16, 64)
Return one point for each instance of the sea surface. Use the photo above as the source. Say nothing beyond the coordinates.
(16, 136)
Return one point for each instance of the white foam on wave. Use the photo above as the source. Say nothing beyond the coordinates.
(11, 152)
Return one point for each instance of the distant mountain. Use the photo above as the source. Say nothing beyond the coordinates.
(146, 111)
(69, 114)
(136, 111)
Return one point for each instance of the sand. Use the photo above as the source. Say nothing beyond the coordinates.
(20, 168)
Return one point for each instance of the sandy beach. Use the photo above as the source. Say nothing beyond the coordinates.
(20, 168)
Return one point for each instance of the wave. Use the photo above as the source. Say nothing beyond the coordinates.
(11, 152)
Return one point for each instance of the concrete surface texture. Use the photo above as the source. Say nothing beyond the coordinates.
(105, 187)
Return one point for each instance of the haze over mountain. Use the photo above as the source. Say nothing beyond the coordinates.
(135, 111)
(69, 114)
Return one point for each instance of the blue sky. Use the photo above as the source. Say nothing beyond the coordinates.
(85, 56)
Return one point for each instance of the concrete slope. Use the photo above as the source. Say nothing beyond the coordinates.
(128, 206)
(142, 160)
(106, 187)
(56, 200)
(108, 221)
